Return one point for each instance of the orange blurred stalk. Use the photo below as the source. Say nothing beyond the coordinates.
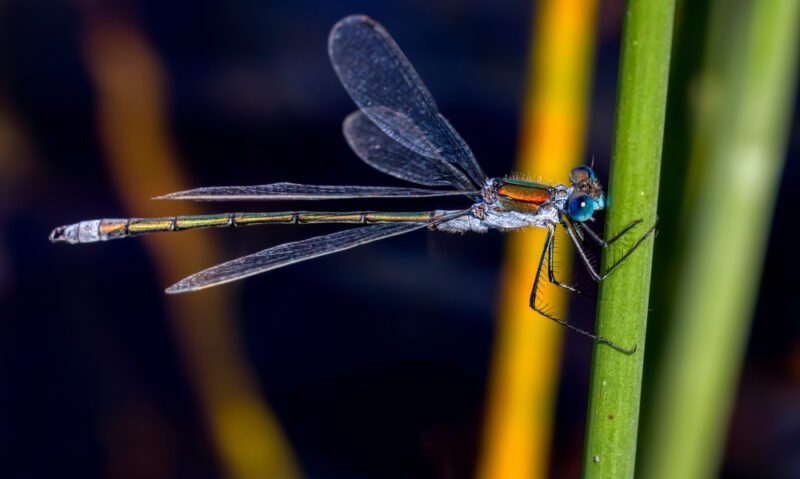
(142, 164)
(526, 362)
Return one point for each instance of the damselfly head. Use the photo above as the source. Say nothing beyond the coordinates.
(587, 194)
(584, 181)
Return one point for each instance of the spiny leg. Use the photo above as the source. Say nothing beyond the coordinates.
(596, 237)
(633, 248)
(535, 306)
(570, 228)
(551, 271)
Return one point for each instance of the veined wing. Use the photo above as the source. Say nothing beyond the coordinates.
(382, 82)
(383, 153)
(293, 191)
(290, 253)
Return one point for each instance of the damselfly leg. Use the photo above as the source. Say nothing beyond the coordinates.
(547, 256)
(550, 247)
(596, 237)
(574, 230)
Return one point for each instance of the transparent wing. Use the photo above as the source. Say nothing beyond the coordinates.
(383, 153)
(290, 253)
(382, 82)
(293, 191)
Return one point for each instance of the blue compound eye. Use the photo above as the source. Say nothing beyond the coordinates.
(581, 208)
(582, 174)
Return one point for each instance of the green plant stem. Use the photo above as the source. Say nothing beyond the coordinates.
(613, 417)
(747, 89)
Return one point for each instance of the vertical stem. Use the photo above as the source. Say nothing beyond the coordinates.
(613, 417)
(749, 79)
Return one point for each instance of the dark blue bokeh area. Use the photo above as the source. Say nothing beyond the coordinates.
(375, 361)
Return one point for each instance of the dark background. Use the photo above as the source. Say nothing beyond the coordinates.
(374, 361)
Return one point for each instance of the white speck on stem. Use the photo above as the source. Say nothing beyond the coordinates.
(596, 458)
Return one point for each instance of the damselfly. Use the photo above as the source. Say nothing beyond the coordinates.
(398, 130)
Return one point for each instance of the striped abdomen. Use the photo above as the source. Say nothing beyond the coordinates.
(106, 229)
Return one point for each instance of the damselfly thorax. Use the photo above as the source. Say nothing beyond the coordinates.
(398, 130)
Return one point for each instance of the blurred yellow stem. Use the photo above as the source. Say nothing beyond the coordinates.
(527, 351)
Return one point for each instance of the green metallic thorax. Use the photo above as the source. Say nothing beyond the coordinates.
(523, 196)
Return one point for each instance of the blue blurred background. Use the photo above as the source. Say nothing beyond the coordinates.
(371, 363)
